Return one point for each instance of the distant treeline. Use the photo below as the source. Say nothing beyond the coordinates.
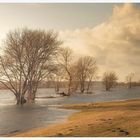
(63, 84)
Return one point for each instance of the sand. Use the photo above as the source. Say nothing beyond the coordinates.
(109, 119)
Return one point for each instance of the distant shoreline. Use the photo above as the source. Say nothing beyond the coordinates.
(116, 119)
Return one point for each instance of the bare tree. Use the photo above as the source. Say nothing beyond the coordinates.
(129, 79)
(92, 74)
(109, 80)
(86, 71)
(26, 60)
(75, 80)
(57, 77)
(65, 61)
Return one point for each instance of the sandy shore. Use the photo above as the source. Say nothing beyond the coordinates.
(117, 119)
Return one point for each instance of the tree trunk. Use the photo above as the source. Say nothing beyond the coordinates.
(20, 99)
(32, 92)
(31, 97)
(82, 90)
(69, 86)
(88, 85)
(82, 87)
(57, 87)
(108, 88)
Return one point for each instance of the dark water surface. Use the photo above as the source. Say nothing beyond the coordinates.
(15, 118)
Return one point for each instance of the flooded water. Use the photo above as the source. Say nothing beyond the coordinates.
(44, 112)
(14, 118)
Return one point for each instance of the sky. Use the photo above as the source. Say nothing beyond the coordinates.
(108, 32)
(53, 16)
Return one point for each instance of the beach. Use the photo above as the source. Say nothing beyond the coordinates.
(107, 119)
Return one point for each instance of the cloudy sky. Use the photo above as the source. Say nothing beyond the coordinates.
(109, 32)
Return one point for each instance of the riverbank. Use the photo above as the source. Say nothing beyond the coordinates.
(113, 119)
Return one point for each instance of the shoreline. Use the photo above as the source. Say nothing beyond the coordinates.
(111, 119)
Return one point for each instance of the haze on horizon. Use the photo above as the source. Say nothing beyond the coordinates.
(109, 32)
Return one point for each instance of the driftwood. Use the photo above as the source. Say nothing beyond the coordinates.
(63, 94)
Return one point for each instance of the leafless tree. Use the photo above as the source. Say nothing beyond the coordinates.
(109, 80)
(86, 71)
(57, 77)
(26, 60)
(65, 61)
(129, 79)
(75, 80)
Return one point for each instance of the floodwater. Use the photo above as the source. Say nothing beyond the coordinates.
(44, 112)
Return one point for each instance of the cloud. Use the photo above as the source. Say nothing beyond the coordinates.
(115, 43)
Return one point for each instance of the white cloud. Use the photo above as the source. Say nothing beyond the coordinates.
(115, 43)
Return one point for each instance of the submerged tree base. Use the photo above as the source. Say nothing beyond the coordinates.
(21, 101)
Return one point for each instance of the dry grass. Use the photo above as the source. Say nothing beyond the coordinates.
(117, 119)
